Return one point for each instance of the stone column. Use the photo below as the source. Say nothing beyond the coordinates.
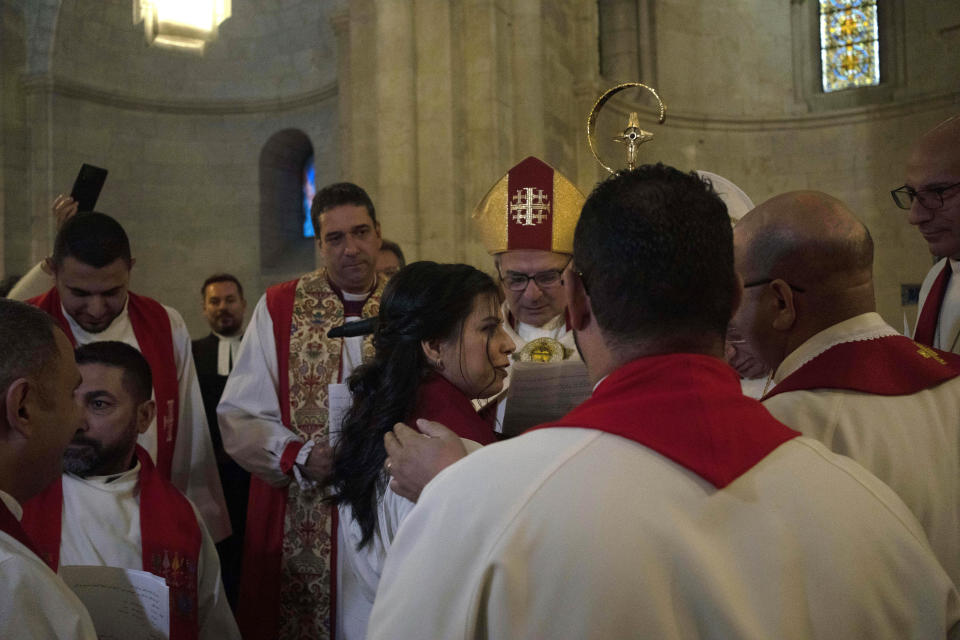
(396, 126)
(440, 221)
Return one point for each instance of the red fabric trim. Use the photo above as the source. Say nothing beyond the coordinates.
(13, 528)
(889, 366)
(686, 407)
(170, 541)
(530, 189)
(42, 520)
(289, 457)
(151, 326)
(258, 606)
(50, 302)
(439, 400)
(930, 314)
(169, 532)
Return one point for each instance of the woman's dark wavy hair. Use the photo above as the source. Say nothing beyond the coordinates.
(423, 301)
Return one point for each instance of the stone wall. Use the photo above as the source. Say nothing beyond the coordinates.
(426, 103)
(181, 134)
(740, 104)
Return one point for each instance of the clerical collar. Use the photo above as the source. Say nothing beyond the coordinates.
(12, 505)
(79, 331)
(233, 338)
(131, 473)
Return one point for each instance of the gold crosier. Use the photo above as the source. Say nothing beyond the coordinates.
(633, 136)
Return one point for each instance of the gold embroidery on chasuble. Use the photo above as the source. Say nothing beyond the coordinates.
(305, 603)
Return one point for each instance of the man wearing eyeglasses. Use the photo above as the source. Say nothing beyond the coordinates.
(841, 374)
(526, 222)
(932, 195)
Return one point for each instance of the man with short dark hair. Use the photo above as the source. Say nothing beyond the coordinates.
(91, 301)
(932, 195)
(667, 505)
(274, 416)
(214, 355)
(390, 258)
(840, 373)
(112, 507)
(38, 416)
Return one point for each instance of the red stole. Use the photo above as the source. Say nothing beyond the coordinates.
(258, 613)
(930, 314)
(686, 407)
(12, 527)
(888, 366)
(151, 326)
(169, 534)
(439, 400)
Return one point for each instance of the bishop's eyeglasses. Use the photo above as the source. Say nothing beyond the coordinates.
(544, 279)
(929, 198)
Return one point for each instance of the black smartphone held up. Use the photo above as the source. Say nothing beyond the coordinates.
(87, 186)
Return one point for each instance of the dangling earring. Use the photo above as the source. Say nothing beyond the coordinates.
(438, 365)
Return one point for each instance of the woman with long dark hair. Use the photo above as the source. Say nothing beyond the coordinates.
(439, 344)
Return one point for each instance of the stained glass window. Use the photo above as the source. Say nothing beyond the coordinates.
(309, 190)
(849, 44)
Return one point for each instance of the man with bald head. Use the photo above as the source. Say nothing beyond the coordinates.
(932, 195)
(840, 373)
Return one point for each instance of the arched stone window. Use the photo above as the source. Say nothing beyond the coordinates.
(284, 251)
(849, 44)
(877, 29)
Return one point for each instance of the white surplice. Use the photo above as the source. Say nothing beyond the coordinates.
(910, 441)
(947, 334)
(575, 533)
(101, 526)
(194, 466)
(34, 601)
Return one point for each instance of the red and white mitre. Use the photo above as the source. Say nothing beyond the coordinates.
(534, 206)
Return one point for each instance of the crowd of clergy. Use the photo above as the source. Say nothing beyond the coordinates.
(756, 453)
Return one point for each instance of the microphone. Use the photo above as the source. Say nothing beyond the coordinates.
(351, 329)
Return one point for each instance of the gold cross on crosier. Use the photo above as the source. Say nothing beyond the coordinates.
(633, 136)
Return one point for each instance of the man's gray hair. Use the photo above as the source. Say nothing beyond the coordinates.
(27, 341)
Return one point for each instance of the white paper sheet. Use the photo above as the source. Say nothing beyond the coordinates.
(124, 604)
(340, 401)
(543, 392)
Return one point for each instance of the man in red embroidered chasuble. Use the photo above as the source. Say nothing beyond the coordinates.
(668, 504)
(274, 418)
(931, 194)
(91, 301)
(840, 373)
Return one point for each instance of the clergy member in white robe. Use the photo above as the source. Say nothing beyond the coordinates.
(668, 504)
(279, 416)
(112, 506)
(101, 526)
(34, 601)
(102, 313)
(841, 374)
(39, 416)
(908, 440)
(931, 194)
